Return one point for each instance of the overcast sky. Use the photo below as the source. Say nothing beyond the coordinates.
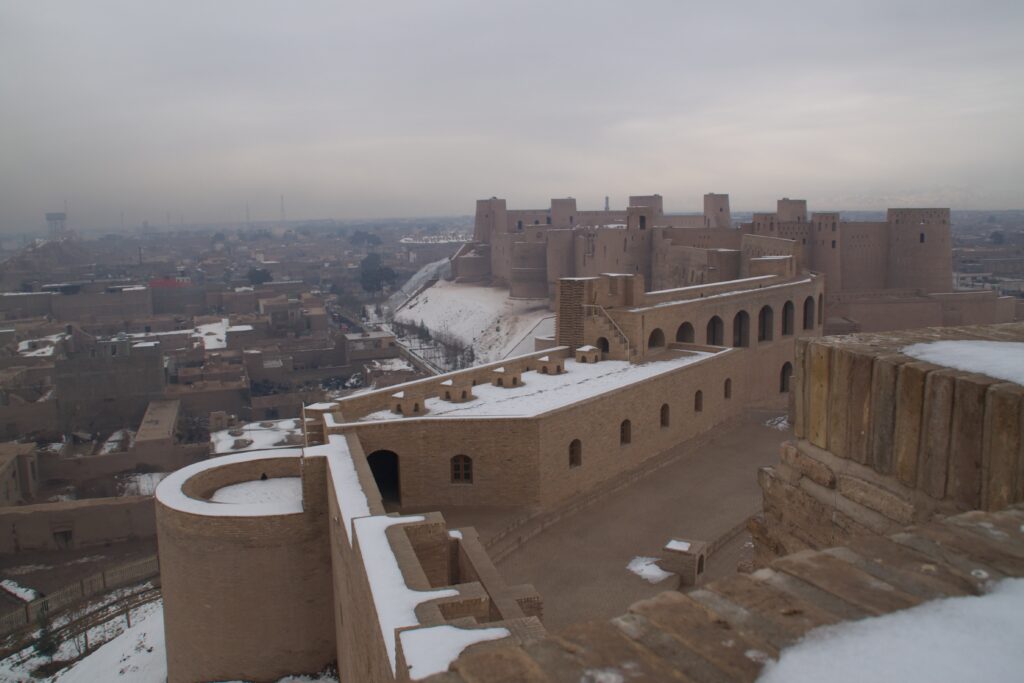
(373, 109)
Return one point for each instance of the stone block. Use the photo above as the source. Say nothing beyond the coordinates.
(876, 498)
(807, 466)
(884, 374)
(859, 405)
(963, 483)
(819, 360)
(840, 366)
(909, 409)
(936, 421)
(1001, 448)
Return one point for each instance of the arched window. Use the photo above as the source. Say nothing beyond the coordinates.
(809, 313)
(716, 332)
(787, 318)
(575, 453)
(625, 432)
(727, 389)
(765, 324)
(698, 401)
(685, 333)
(657, 339)
(741, 329)
(462, 469)
(415, 407)
(665, 416)
(784, 375)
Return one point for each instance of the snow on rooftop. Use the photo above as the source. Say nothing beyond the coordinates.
(585, 347)
(327, 405)
(973, 638)
(540, 393)
(432, 649)
(997, 359)
(42, 347)
(256, 436)
(677, 545)
(240, 328)
(213, 334)
(392, 365)
(170, 494)
(287, 490)
(394, 601)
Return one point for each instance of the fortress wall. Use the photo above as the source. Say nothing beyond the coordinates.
(614, 251)
(884, 440)
(920, 249)
(864, 255)
(258, 586)
(504, 453)
(92, 522)
(703, 238)
(560, 258)
(597, 423)
(528, 276)
(826, 248)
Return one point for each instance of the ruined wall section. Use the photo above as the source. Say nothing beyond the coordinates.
(883, 440)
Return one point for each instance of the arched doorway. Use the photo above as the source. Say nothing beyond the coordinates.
(602, 345)
(809, 313)
(384, 466)
(716, 332)
(784, 375)
(656, 340)
(685, 333)
(741, 329)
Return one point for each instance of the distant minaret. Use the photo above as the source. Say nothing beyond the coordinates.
(606, 203)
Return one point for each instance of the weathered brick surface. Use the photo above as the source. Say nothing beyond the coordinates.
(726, 630)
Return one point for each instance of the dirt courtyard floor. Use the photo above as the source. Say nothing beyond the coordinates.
(579, 563)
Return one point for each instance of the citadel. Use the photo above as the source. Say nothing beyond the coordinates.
(665, 327)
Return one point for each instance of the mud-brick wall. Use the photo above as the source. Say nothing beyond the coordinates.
(257, 587)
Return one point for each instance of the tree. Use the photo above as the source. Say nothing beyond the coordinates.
(997, 237)
(257, 276)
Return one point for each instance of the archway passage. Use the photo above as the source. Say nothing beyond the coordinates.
(716, 332)
(384, 466)
(656, 340)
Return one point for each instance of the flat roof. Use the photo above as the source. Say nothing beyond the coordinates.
(540, 393)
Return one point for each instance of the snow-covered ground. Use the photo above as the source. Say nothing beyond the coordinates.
(119, 441)
(482, 317)
(1000, 360)
(976, 638)
(781, 423)
(256, 436)
(276, 490)
(540, 393)
(647, 569)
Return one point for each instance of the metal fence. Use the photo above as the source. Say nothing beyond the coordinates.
(109, 579)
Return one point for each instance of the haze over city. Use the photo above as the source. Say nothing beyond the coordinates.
(195, 109)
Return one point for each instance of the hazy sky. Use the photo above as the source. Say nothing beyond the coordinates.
(364, 109)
